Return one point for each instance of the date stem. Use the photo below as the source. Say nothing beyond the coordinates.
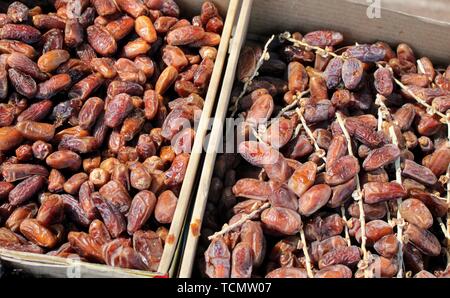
(299, 112)
(357, 196)
(306, 253)
(400, 221)
(344, 217)
(227, 228)
(264, 57)
(298, 43)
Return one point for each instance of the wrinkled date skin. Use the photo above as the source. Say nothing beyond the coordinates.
(252, 234)
(380, 157)
(375, 230)
(419, 173)
(117, 254)
(375, 192)
(352, 72)
(344, 169)
(280, 220)
(26, 189)
(334, 271)
(348, 256)
(423, 240)
(150, 246)
(51, 211)
(387, 246)
(436, 206)
(116, 195)
(415, 212)
(86, 246)
(37, 233)
(141, 209)
(113, 219)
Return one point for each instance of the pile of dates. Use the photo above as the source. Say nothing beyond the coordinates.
(93, 150)
(286, 171)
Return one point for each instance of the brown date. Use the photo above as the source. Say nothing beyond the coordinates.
(141, 209)
(37, 233)
(381, 157)
(51, 211)
(150, 246)
(423, 240)
(86, 246)
(347, 255)
(342, 170)
(20, 214)
(26, 189)
(375, 192)
(280, 220)
(116, 195)
(165, 207)
(313, 199)
(387, 246)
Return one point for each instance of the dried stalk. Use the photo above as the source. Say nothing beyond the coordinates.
(227, 228)
(299, 112)
(400, 221)
(298, 43)
(298, 98)
(443, 228)
(296, 131)
(357, 196)
(306, 253)
(264, 57)
(347, 234)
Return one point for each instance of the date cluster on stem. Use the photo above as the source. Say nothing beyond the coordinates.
(94, 98)
(330, 188)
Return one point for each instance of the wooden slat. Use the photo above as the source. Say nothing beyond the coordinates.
(188, 183)
(33, 261)
(214, 141)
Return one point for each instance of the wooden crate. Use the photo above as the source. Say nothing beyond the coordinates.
(61, 267)
(428, 37)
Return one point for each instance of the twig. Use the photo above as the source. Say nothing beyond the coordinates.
(400, 221)
(296, 131)
(357, 196)
(264, 57)
(443, 228)
(240, 222)
(298, 98)
(306, 253)
(299, 112)
(322, 52)
(347, 234)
